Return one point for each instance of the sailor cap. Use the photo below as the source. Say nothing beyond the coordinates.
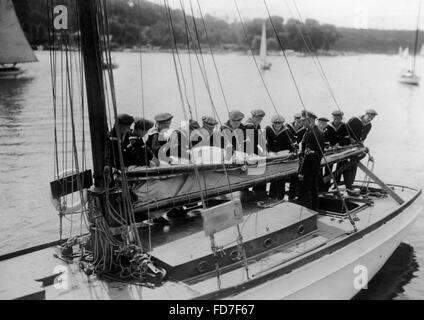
(338, 113)
(308, 114)
(323, 119)
(163, 117)
(143, 124)
(124, 118)
(193, 124)
(297, 116)
(258, 113)
(372, 112)
(277, 119)
(209, 121)
(236, 115)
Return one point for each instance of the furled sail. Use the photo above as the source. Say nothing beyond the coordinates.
(14, 46)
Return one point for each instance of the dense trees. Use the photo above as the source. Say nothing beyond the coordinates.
(133, 23)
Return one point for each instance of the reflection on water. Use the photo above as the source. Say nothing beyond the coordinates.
(396, 273)
(12, 94)
(12, 97)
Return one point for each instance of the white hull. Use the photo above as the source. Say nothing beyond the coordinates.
(410, 80)
(10, 73)
(333, 276)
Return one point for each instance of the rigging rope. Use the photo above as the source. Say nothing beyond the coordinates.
(304, 108)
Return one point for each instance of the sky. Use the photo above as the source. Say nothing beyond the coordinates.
(373, 14)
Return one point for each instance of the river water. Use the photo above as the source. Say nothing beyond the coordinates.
(358, 82)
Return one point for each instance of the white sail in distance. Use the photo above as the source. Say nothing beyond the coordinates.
(405, 53)
(14, 47)
(263, 49)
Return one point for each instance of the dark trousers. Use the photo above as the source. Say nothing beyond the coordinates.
(277, 189)
(260, 187)
(293, 187)
(351, 175)
(307, 191)
(345, 174)
(324, 186)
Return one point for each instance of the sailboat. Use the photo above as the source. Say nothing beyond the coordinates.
(220, 241)
(14, 47)
(265, 65)
(409, 76)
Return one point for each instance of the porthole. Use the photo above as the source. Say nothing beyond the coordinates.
(268, 243)
(201, 267)
(234, 255)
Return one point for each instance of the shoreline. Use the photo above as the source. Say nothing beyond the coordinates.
(206, 51)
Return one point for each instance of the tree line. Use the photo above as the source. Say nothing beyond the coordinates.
(134, 23)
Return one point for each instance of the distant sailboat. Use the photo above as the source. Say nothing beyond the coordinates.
(405, 53)
(265, 65)
(14, 45)
(409, 76)
(400, 51)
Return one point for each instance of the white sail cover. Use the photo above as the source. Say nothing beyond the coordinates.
(14, 47)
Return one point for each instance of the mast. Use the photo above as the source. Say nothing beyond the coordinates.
(94, 86)
(417, 31)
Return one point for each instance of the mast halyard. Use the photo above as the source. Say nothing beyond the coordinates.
(94, 86)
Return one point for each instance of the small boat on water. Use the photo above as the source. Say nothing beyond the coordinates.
(111, 65)
(196, 231)
(265, 65)
(409, 76)
(14, 46)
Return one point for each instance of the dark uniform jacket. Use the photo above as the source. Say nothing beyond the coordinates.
(297, 133)
(358, 130)
(234, 138)
(137, 152)
(311, 155)
(254, 136)
(202, 138)
(279, 141)
(112, 158)
(334, 135)
(180, 143)
(156, 140)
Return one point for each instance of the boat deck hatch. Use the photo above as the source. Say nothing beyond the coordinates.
(335, 206)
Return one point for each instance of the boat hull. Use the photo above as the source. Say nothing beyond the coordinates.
(10, 73)
(410, 80)
(343, 273)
